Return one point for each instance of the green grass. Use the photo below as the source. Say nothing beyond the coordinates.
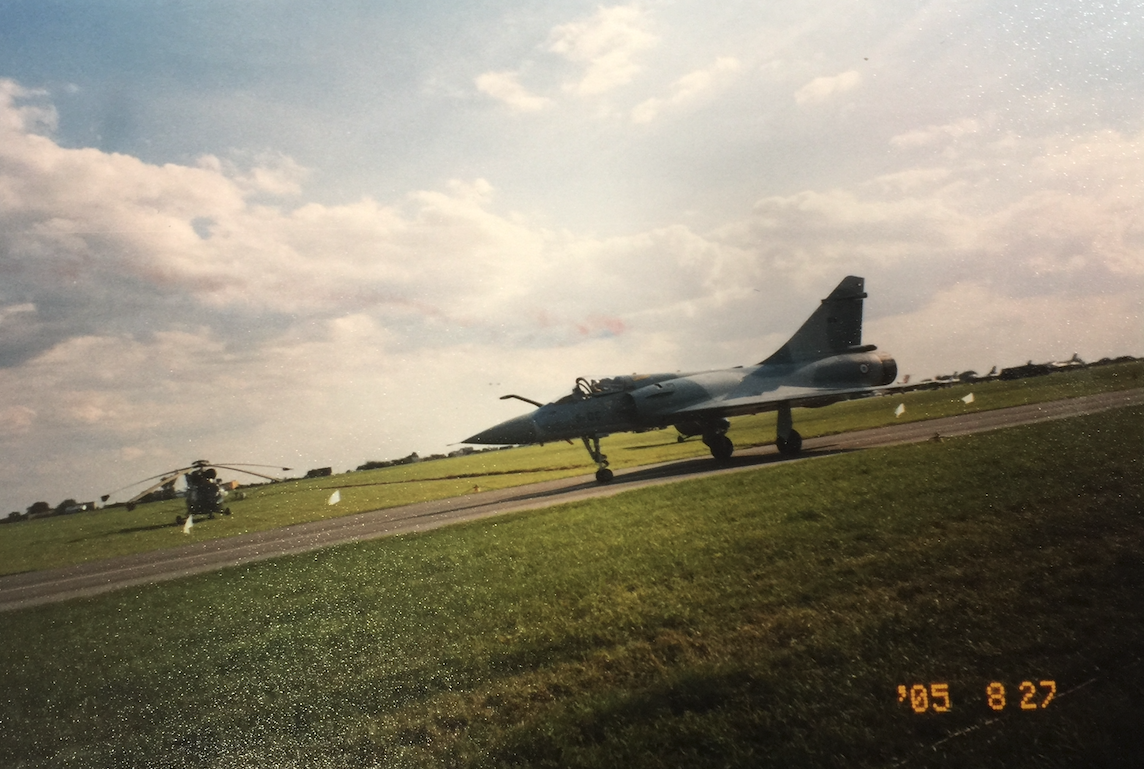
(51, 542)
(760, 619)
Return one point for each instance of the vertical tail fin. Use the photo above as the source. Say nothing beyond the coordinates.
(834, 328)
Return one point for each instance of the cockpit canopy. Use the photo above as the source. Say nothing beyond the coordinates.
(594, 388)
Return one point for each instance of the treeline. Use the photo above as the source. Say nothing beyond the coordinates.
(44, 510)
(414, 458)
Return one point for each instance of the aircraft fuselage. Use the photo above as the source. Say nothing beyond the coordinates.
(634, 403)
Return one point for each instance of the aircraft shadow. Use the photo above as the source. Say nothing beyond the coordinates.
(685, 467)
(697, 467)
(132, 530)
(704, 465)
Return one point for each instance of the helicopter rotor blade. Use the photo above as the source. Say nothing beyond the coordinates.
(228, 465)
(153, 477)
(165, 480)
(250, 472)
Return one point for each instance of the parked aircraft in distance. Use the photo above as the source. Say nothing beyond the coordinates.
(824, 362)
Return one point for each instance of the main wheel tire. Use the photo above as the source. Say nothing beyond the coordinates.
(791, 446)
(604, 475)
(722, 448)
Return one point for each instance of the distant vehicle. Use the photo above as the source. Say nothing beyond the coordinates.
(824, 362)
(204, 494)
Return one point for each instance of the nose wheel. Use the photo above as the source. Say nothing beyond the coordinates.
(592, 444)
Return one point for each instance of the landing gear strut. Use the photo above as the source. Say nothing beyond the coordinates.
(592, 443)
(787, 439)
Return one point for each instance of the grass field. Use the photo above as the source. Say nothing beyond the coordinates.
(765, 618)
(45, 543)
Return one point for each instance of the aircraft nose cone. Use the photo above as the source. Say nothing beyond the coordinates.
(520, 430)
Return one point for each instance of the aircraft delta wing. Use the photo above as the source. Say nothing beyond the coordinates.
(824, 362)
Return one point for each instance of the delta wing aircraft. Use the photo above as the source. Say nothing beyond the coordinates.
(824, 362)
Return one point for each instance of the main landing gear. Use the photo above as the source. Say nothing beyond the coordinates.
(603, 474)
(787, 439)
(714, 433)
(715, 438)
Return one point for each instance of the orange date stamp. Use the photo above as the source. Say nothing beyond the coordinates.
(937, 697)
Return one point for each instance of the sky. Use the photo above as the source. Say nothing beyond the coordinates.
(319, 234)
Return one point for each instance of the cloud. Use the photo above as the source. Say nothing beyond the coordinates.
(505, 87)
(821, 89)
(687, 89)
(106, 246)
(602, 51)
(22, 113)
(938, 134)
(606, 45)
(1067, 229)
(104, 243)
(163, 268)
(16, 420)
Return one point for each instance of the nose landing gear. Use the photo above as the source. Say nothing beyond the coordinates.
(592, 444)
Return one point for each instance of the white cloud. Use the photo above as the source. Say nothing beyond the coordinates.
(938, 134)
(925, 178)
(274, 174)
(606, 45)
(972, 273)
(22, 113)
(505, 87)
(80, 223)
(688, 88)
(821, 89)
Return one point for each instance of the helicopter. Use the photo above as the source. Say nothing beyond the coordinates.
(204, 494)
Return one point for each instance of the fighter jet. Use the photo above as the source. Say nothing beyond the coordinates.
(824, 362)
